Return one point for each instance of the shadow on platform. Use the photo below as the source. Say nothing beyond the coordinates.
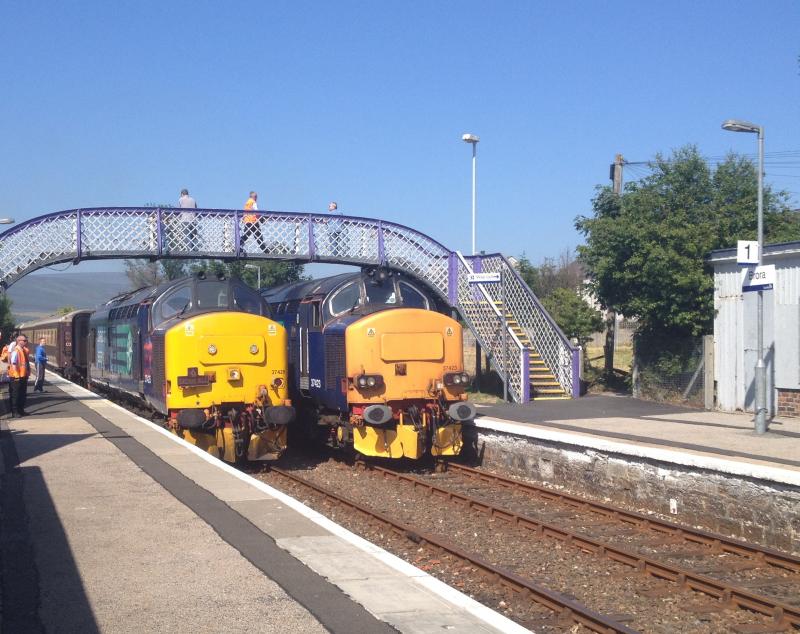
(42, 589)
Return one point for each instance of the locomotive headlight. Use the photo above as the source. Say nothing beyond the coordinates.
(234, 374)
(212, 349)
(368, 380)
(456, 378)
(254, 349)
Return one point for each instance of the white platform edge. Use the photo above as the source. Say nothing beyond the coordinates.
(683, 458)
(421, 578)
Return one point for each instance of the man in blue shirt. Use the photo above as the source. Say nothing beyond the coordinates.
(40, 358)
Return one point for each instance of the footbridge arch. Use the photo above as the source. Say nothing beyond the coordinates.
(519, 337)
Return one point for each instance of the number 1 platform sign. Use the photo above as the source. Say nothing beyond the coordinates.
(747, 252)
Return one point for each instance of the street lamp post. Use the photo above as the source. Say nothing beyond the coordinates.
(473, 140)
(258, 271)
(737, 125)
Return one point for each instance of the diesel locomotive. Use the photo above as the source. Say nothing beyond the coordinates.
(374, 365)
(204, 353)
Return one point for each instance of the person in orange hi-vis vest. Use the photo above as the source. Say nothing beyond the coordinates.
(19, 368)
(251, 223)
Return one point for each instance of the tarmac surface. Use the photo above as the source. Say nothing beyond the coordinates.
(646, 424)
(110, 524)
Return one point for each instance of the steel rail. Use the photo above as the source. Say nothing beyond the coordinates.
(728, 594)
(564, 607)
(694, 535)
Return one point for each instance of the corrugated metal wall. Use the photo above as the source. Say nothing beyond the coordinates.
(735, 333)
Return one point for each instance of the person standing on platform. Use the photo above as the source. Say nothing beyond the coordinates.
(188, 222)
(251, 221)
(40, 358)
(18, 372)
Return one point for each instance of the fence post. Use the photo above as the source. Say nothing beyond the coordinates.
(708, 378)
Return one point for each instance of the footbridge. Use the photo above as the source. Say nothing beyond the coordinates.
(520, 339)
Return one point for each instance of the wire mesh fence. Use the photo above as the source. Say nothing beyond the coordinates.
(674, 375)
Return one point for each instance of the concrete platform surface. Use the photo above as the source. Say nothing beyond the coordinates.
(110, 524)
(705, 439)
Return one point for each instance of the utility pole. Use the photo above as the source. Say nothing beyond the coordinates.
(611, 317)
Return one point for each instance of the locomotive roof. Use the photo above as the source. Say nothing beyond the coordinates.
(299, 290)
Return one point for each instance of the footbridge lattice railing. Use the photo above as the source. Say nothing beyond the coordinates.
(154, 233)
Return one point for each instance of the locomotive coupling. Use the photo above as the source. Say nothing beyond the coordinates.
(461, 411)
(279, 415)
(377, 414)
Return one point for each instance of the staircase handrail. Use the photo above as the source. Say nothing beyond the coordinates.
(491, 303)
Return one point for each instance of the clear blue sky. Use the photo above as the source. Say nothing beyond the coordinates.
(124, 103)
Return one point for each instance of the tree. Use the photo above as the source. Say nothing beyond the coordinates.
(645, 250)
(174, 269)
(553, 273)
(143, 273)
(573, 314)
(7, 325)
(65, 310)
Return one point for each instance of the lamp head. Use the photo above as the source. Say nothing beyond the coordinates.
(470, 138)
(738, 125)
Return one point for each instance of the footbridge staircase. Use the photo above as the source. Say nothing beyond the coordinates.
(520, 339)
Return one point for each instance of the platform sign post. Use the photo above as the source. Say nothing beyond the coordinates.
(495, 278)
(505, 334)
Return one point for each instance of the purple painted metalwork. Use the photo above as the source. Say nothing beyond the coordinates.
(237, 239)
(452, 279)
(526, 375)
(539, 304)
(381, 245)
(125, 232)
(78, 238)
(312, 246)
(576, 372)
(159, 232)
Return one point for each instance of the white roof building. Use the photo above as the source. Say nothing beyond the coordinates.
(735, 332)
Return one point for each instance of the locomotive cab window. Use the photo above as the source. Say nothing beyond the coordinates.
(212, 295)
(248, 300)
(412, 298)
(381, 292)
(179, 300)
(346, 298)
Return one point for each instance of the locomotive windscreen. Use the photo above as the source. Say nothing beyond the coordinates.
(205, 295)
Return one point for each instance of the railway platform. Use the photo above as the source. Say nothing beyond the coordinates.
(701, 468)
(712, 440)
(111, 524)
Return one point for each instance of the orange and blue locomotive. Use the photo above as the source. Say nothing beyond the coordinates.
(203, 353)
(374, 365)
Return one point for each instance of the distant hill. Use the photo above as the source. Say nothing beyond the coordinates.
(37, 296)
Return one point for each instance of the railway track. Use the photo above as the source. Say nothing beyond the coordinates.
(718, 543)
(563, 607)
(727, 594)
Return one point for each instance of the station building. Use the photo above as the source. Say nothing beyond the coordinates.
(736, 330)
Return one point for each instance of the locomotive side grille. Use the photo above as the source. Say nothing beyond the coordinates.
(334, 360)
(158, 364)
